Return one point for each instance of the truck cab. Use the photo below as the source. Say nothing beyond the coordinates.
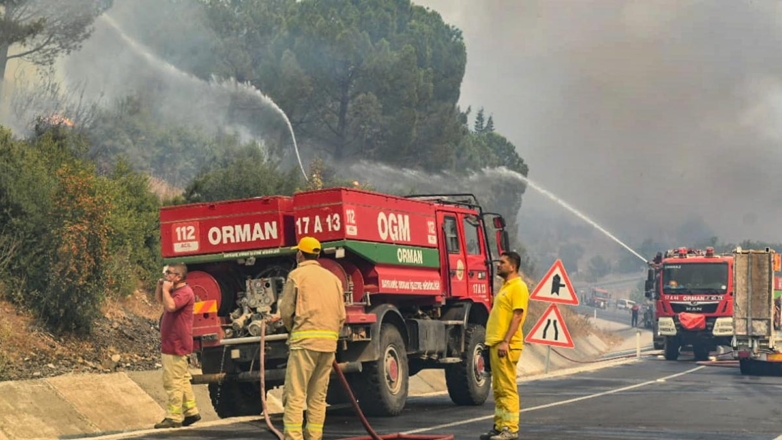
(693, 293)
(598, 298)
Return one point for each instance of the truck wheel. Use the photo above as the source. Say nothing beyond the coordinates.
(671, 349)
(465, 381)
(235, 399)
(381, 389)
(701, 352)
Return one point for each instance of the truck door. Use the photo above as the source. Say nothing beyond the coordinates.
(478, 273)
(453, 260)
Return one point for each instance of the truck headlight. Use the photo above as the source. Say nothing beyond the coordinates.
(666, 327)
(723, 326)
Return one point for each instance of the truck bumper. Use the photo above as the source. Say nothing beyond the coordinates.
(718, 331)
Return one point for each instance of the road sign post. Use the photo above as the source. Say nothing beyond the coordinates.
(548, 358)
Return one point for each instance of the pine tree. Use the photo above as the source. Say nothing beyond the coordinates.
(479, 122)
(489, 126)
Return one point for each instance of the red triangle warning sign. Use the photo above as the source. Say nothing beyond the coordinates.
(551, 330)
(555, 287)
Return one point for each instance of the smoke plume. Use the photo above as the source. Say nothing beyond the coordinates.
(647, 116)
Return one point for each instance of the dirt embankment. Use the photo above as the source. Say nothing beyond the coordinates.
(125, 338)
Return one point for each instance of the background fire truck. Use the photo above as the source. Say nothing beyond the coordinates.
(598, 297)
(693, 294)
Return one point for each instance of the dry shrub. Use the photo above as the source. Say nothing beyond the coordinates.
(163, 190)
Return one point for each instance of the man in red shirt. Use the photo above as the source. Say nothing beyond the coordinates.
(176, 338)
(634, 315)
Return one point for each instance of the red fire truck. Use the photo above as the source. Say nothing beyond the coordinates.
(598, 298)
(693, 294)
(417, 275)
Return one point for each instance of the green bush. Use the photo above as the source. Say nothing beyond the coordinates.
(85, 236)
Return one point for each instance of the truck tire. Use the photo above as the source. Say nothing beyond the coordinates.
(381, 389)
(465, 382)
(701, 352)
(236, 399)
(671, 348)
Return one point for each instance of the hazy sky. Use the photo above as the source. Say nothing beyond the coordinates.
(641, 114)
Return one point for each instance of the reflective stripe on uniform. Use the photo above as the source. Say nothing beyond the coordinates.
(314, 334)
(506, 416)
(314, 427)
(293, 428)
(174, 409)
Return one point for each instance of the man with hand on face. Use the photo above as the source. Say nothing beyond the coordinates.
(176, 338)
(312, 308)
(505, 340)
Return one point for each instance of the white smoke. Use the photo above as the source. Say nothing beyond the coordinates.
(644, 115)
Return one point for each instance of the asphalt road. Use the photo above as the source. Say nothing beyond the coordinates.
(645, 399)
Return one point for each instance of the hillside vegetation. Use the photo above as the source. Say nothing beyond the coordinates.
(372, 80)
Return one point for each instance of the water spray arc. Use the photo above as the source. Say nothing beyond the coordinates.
(579, 215)
(388, 177)
(228, 87)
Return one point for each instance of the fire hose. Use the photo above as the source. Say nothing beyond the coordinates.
(627, 356)
(263, 386)
(372, 434)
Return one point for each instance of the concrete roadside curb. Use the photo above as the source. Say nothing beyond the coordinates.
(127, 404)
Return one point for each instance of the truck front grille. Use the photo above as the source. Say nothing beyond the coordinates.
(703, 308)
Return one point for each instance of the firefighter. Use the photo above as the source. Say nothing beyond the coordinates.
(176, 340)
(313, 310)
(505, 341)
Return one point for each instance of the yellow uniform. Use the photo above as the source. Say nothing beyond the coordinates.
(513, 295)
(312, 308)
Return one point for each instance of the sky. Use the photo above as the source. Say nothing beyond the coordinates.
(643, 115)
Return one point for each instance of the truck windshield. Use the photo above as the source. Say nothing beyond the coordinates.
(695, 278)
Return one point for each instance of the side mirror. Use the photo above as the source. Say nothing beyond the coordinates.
(503, 240)
(497, 237)
(650, 275)
(649, 289)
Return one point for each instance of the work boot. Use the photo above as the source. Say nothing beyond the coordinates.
(492, 432)
(168, 423)
(189, 420)
(506, 434)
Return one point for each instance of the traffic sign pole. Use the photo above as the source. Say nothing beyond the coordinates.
(548, 357)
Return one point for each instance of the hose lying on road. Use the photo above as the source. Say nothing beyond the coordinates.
(372, 434)
(594, 361)
(626, 356)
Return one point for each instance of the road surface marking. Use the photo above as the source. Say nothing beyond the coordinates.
(562, 402)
